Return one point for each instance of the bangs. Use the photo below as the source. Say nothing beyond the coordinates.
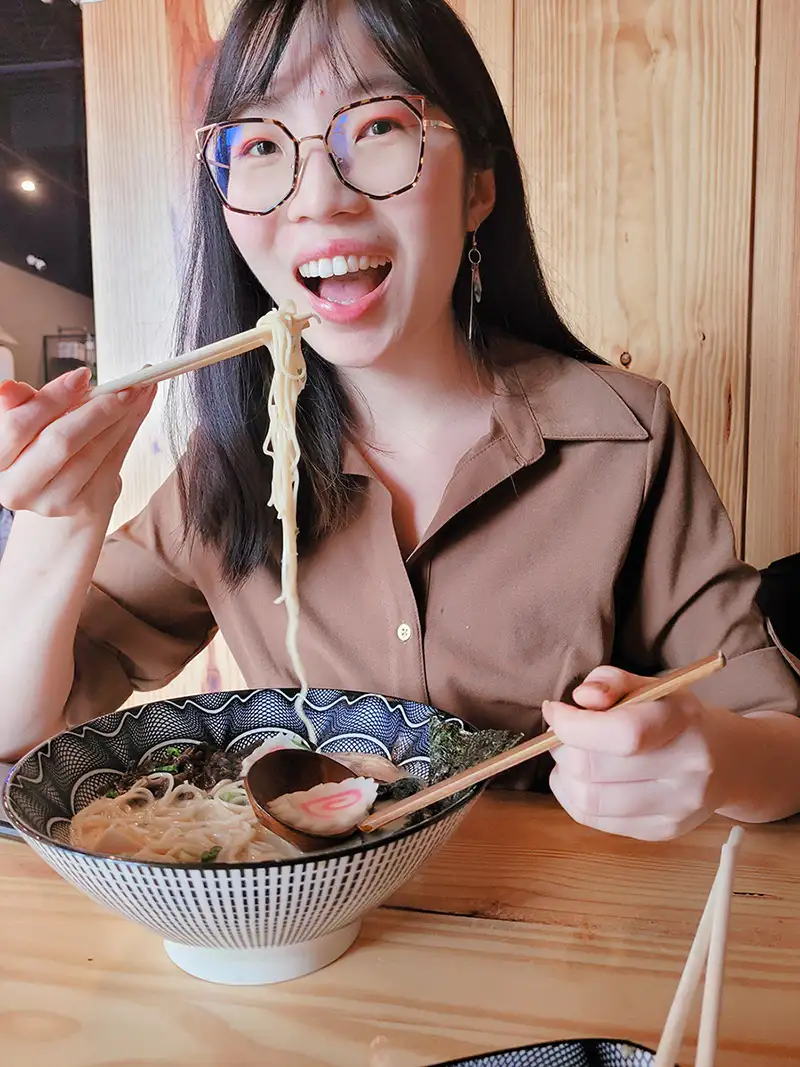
(252, 52)
(423, 42)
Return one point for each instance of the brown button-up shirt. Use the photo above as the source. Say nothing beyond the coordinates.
(583, 529)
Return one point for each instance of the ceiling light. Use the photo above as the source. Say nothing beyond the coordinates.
(28, 185)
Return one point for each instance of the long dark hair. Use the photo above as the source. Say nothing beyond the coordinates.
(224, 477)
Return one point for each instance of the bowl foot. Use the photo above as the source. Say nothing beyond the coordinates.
(262, 966)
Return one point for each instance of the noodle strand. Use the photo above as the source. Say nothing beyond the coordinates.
(184, 825)
(282, 445)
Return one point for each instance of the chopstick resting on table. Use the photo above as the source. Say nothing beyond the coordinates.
(200, 357)
(708, 950)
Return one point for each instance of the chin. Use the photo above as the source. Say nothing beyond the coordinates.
(349, 348)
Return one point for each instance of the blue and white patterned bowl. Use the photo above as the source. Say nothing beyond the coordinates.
(235, 923)
(565, 1054)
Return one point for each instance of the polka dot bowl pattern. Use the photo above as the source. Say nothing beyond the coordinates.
(245, 912)
(565, 1054)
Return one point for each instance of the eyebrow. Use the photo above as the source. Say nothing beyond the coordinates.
(379, 85)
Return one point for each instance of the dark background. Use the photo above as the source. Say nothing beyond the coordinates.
(43, 136)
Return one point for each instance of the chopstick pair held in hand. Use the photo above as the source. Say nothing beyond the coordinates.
(653, 689)
(237, 345)
(651, 772)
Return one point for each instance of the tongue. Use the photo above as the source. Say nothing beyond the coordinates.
(348, 288)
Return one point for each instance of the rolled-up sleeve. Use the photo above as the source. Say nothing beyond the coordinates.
(144, 617)
(684, 593)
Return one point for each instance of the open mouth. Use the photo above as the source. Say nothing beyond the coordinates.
(344, 279)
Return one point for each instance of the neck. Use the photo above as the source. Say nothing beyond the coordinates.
(415, 389)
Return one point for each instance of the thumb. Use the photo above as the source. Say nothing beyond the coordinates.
(604, 687)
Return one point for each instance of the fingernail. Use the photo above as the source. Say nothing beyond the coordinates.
(125, 396)
(77, 380)
(601, 687)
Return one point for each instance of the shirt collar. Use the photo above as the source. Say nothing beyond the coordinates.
(542, 396)
(550, 397)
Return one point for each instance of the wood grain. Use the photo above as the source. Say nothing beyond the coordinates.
(607, 925)
(491, 23)
(557, 870)
(773, 497)
(635, 122)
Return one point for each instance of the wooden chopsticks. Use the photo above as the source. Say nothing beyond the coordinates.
(708, 950)
(200, 357)
(655, 690)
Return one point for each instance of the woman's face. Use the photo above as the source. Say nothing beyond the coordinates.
(368, 315)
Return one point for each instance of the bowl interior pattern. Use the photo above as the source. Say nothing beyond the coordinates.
(65, 774)
(232, 906)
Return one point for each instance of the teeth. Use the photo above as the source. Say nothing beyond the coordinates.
(340, 265)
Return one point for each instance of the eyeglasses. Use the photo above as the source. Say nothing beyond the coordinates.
(376, 147)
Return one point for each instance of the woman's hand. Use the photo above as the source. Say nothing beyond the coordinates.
(650, 771)
(61, 452)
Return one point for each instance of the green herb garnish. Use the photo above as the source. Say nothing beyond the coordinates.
(173, 752)
(112, 794)
(211, 855)
(169, 769)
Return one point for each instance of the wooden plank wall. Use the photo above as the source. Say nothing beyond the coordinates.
(773, 462)
(492, 25)
(636, 120)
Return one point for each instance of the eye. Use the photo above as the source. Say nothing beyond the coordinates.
(259, 148)
(380, 127)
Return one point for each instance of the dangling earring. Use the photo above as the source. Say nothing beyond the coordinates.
(476, 286)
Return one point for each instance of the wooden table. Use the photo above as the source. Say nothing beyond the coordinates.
(526, 927)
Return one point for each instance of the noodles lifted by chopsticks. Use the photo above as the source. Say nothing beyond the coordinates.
(281, 444)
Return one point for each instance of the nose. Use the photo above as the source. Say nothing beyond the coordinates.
(319, 194)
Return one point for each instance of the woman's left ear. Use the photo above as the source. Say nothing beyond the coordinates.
(482, 195)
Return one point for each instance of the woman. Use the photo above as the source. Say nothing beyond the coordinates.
(487, 513)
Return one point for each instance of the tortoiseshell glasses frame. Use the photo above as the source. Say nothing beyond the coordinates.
(417, 105)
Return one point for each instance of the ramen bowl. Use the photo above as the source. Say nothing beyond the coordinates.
(243, 923)
(564, 1054)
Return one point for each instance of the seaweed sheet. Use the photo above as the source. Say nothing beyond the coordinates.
(399, 790)
(453, 749)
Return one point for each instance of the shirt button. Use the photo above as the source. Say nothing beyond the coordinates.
(404, 631)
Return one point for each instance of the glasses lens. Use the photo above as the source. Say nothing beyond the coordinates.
(377, 147)
(253, 164)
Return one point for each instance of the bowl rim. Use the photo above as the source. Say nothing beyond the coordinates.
(553, 1044)
(321, 856)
